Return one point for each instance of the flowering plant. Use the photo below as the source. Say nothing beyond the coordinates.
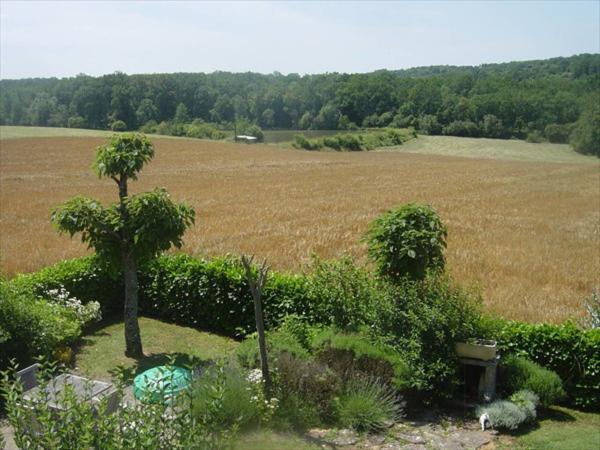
(85, 313)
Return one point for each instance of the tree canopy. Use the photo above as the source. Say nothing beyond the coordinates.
(493, 100)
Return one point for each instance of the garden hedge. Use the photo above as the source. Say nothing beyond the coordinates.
(213, 295)
(571, 352)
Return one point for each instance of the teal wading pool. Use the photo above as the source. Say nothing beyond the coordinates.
(161, 384)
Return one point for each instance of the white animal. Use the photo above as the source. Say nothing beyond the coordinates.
(484, 420)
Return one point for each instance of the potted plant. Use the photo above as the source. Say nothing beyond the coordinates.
(481, 349)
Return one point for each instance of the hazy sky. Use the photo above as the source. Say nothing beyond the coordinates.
(46, 38)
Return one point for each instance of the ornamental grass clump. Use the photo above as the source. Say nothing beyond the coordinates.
(367, 404)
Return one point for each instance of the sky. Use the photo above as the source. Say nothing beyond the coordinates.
(60, 39)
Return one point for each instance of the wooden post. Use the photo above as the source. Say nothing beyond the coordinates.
(256, 287)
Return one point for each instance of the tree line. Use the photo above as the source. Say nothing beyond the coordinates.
(538, 100)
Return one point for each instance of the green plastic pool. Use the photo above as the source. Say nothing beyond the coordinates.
(161, 384)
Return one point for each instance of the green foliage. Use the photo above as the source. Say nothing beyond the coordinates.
(118, 125)
(85, 278)
(32, 326)
(558, 134)
(505, 414)
(535, 137)
(523, 96)
(407, 241)
(234, 393)
(213, 295)
(355, 141)
(586, 136)
(423, 320)
(301, 142)
(295, 413)
(181, 114)
(342, 294)
(124, 155)
(76, 122)
(428, 124)
(465, 128)
(314, 382)
(519, 373)
(278, 342)
(367, 404)
(356, 354)
(573, 353)
(85, 425)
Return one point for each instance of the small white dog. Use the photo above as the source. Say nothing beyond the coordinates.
(484, 420)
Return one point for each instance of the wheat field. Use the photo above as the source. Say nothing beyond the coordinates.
(526, 233)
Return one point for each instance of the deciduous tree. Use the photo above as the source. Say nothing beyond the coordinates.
(131, 231)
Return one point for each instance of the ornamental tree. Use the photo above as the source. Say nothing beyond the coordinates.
(129, 232)
(407, 241)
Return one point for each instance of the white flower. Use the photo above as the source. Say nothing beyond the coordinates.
(255, 376)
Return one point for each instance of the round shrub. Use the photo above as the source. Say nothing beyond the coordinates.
(504, 414)
(354, 354)
(118, 125)
(518, 373)
(407, 241)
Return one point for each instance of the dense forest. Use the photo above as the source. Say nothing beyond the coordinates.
(555, 99)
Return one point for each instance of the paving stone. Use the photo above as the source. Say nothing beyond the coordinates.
(411, 438)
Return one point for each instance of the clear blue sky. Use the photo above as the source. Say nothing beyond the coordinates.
(41, 39)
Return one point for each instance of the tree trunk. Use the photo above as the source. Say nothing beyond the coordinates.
(133, 340)
(262, 344)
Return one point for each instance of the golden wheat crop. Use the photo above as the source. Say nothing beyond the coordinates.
(527, 233)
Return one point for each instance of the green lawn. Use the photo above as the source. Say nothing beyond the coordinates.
(558, 429)
(509, 149)
(102, 350)
(16, 132)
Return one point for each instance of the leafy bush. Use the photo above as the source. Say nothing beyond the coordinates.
(407, 241)
(586, 135)
(423, 320)
(535, 137)
(342, 294)
(118, 125)
(314, 382)
(278, 342)
(32, 327)
(354, 354)
(528, 401)
(573, 353)
(295, 413)
(355, 142)
(238, 400)
(367, 404)
(86, 425)
(464, 128)
(558, 133)
(300, 141)
(519, 373)
(84, 278)
(76, 122)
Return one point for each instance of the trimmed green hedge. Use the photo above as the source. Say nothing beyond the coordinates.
(214, 295)
(574, 354)
(85, 278)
